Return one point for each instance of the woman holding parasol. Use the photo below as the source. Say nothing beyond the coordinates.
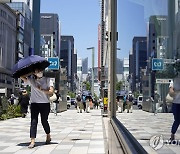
(32, 73)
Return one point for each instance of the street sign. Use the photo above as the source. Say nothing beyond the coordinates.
(164, 80)
(157, 64)
(54, 63)
(169, 61)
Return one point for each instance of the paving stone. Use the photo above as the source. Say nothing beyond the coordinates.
(74, 133)
(150, 126)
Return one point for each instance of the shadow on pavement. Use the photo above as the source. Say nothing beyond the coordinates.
(36, 145)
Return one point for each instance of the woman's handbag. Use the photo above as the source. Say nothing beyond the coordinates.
(53, 98)
(169, 99)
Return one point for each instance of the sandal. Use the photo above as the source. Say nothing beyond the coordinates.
(32, 145)
(48, 141)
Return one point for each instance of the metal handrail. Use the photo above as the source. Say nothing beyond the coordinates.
(127, 141)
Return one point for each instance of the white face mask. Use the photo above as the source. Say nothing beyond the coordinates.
(39, 74)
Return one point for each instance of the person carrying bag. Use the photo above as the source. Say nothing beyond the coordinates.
(56, 101)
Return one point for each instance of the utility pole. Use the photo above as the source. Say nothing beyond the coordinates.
(112, 45)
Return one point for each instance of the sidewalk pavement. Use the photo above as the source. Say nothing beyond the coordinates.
(71, 132)
(84, 133)
(144, 126)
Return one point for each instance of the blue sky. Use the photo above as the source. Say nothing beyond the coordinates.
(80, 18)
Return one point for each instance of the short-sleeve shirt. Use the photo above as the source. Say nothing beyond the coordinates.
(176, 86)
(38, 96)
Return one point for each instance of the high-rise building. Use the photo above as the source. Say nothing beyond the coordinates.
(177, 29)
(119, 69)
(34, 6)
(36, 25)
(159, 45)
(24, 27)
(79, 75)
(68, 53)
(119, 66)
(141, 62)
(134, 59)
(8, 40)
(126, 73)
(49, 30)
(130, 68)
(141, 57)
(85, 65)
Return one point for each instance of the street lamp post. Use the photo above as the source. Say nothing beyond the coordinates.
(92, 86)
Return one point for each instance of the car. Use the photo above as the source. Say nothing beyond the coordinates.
(68, 101)
(73, 101)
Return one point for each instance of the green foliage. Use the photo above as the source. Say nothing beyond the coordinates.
(168, 72)
(88, 85)
(12, 111)
(119, 85)
(28, 88)
(71, 94)
(136, 94)
(5, 103)
(95, 96)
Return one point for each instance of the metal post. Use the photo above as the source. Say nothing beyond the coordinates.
(112, 44)
(92, 87)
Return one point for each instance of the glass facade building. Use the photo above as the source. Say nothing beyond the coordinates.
(24, 28)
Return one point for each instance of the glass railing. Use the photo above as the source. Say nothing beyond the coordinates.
(151, 27)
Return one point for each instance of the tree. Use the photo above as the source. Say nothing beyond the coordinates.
(71, 94)
(119, 85)
(88, 86)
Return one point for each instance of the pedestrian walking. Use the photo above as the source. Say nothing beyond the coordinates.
(117, 103)
(79, 103)
(56, 102)
(120, 100)
(12, 99)
(84, 102)
(174, 91)
(41, 87)
(96, 103)
(87, 104)
(24, 102)
(124, 102)
(155, 102)
(130, 102)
